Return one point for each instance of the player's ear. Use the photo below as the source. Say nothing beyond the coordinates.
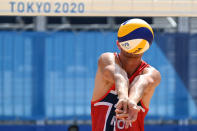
(118, 44)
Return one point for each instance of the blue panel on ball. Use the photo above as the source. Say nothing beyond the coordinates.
(140, 33)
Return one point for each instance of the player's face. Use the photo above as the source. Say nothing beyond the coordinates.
(126, 54)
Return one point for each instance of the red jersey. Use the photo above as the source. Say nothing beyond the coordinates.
(103, 111)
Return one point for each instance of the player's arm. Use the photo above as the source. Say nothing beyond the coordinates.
(144, 85)
(113, 73)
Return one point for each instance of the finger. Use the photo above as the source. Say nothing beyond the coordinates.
(122, 118)
(134, 107)
(119, 105)
(134, 117)
(119, 116)
(131, 116)
(125, 107)
(118, 111)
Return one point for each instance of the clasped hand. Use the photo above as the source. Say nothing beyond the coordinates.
(127, 110)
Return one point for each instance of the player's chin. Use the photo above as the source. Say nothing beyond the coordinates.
(131, 55)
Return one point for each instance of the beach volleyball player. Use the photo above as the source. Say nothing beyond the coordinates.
(124, 83)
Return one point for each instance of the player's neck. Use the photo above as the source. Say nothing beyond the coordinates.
(130, 61)
(130, 64)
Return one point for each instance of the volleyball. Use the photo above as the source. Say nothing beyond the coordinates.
(135, 36)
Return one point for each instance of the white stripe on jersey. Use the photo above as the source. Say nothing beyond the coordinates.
(108, 111)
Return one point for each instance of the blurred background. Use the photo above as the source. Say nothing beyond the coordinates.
(49, 52)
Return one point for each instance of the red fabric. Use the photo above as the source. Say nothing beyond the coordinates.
(98, 120)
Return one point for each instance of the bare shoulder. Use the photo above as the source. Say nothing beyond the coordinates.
(106, 59)
(152, 73)
(108, 56)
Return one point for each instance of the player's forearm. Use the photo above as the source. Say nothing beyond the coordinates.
(137, 89)
(121, 84)
(144, 85)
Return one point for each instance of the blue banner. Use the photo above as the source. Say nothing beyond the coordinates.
(50, 76)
